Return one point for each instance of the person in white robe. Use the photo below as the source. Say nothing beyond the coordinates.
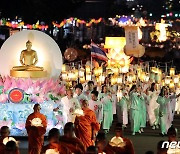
(122, 109)
(90, 87)
(70, 104)
(177, 108)
(153, 108)
(79, 95)
(96, 106)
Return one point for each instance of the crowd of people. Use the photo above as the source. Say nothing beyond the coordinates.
(139, 106)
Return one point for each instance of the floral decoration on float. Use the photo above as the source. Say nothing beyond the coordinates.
(35, 91)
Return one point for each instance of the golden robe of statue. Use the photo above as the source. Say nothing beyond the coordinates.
(28, 59)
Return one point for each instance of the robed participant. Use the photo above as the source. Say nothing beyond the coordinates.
(36, 128)
(86, 125)
(53, 146)
(70, 141)
(96, 106)
(70, 104)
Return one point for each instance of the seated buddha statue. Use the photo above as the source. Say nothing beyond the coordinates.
(28, 59)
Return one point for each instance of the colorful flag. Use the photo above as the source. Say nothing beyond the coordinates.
(97, 52)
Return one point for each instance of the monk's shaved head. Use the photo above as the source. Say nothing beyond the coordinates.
(5, 131)
(69, 128)
(37, 107)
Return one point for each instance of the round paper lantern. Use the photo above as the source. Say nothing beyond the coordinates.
(141, 51)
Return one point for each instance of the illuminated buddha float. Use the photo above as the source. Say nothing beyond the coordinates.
(28, 60)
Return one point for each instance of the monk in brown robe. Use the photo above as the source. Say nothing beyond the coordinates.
(4, 133)
(69, 140)
(125, 146)
(35, 130)
(87, 125)
(53, 138)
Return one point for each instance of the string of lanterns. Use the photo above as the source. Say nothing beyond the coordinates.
(21, 24)
(70, 20)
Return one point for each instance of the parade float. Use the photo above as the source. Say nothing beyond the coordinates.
(30, 64)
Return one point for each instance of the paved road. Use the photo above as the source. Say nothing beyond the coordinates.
(144, 142)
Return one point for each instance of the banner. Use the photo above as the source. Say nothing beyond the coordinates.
(132, 42)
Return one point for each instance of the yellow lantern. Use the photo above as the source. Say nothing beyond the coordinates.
(88, 69)
(167, 80)
(95, 71)
(122, 62)
(115, 71)
(172, 71)
(115, 42)
(113, 80)
(142, 76)
(100, 70)
(163, 83)
(171, 85)
(63, 68)
(82, 80)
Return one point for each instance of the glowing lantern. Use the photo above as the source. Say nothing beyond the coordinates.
(64, 75)
(101, 78)
(172, 71)
(119, 80)
(171, 85)
(142, 76)
(113, 80)
(63, 68)
(100, 70)
(81, 72)
(129, 78)
(167, 80)
(125, 69)
(88, 76)
(133, 77)
(146, 77)
(176, 78)
(163, 83)
(88, 69)
(115, 42)
(122, 62)
(115, 71)
(82, 80)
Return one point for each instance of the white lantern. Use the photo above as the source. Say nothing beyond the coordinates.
(167, 80)
(176, 78)
(101, 78)
(81, 72)
(88, 76)
(125, 69)
(119, 79)
(64, 76)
